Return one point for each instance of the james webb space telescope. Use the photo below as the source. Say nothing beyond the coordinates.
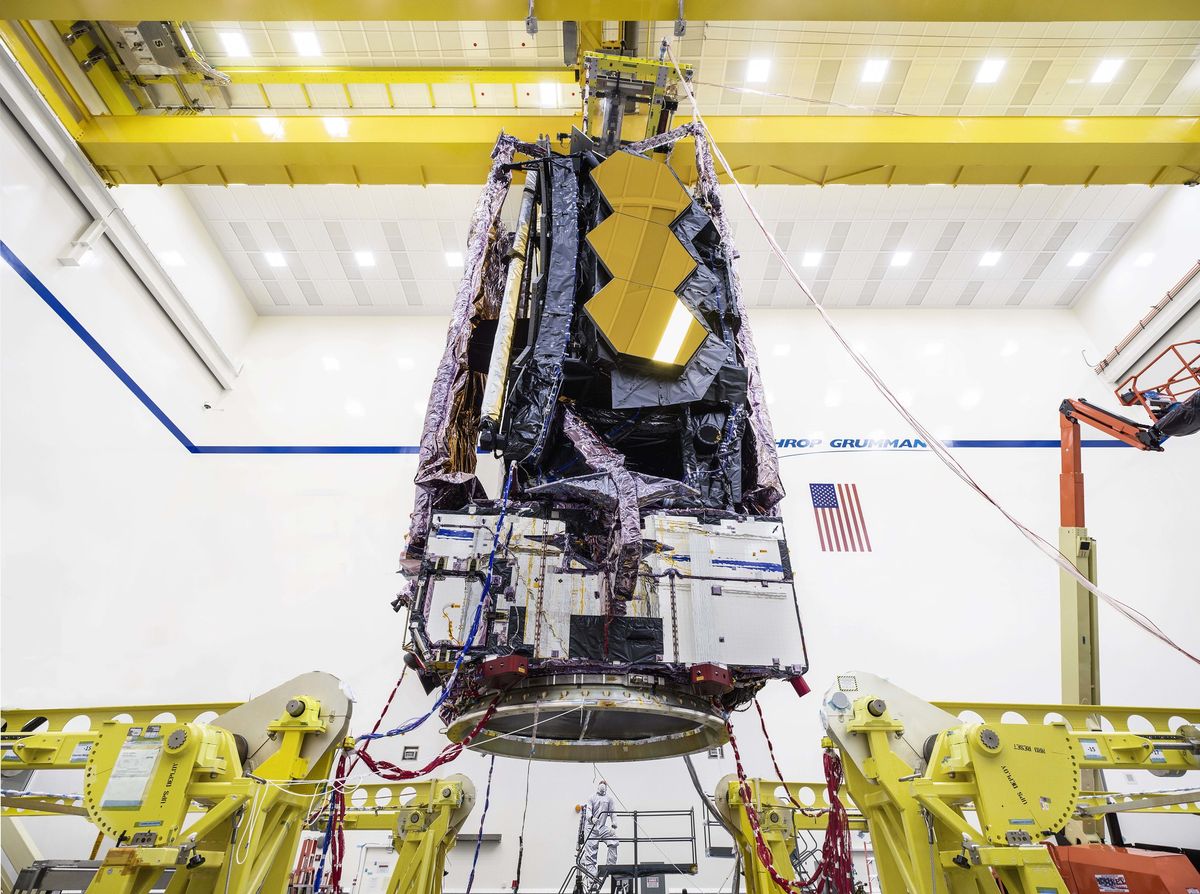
(639, 581)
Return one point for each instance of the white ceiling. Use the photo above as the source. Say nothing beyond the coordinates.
(932, 66)
(815, 67)
(857, 230)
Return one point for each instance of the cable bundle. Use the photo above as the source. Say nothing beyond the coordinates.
(334, 842)
(835, 868)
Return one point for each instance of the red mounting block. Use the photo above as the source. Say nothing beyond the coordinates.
(711, 679)
(500, 673)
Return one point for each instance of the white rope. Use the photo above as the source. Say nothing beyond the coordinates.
(943, 453)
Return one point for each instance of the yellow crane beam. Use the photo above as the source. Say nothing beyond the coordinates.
(580, 10)
(286, 74)
(423, 149)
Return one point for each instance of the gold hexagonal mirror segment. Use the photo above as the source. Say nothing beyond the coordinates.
(641, 251)
(640, 187)
(646, 322)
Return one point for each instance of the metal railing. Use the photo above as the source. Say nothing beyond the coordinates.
(643, 863)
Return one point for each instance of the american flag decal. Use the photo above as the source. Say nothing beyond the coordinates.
(841, 527)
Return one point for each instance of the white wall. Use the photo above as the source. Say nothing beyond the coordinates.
(166, 222)
(1153, 258)
(136, 572)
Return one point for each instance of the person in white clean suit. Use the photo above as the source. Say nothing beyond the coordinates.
(599, 825)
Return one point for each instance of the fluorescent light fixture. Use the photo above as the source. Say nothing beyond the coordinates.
(782, 349)
(874, 70)
(672, 337)
(171, 258)
(271, 127)
(811, 259)
(901, 258)
(1106, 71)
(306, 43)
(989, 71)
(275, 259)
(548, 94)
(235, 44)
(1078, 258)
(355, 408)
(338, 128)
(1145, 259)
(990, 259)
(454, 259)
(364, 258)
(757, 71)
(331, 364)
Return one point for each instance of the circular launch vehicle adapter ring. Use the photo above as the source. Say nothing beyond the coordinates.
(595, 717)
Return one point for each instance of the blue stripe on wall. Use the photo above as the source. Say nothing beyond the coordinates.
(106, 358)
(88, 339)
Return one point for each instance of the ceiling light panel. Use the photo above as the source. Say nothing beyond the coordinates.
(234, 44)
(307, 43)
(874, 71)
(989, 71)
(758, 71)
(1106, 71)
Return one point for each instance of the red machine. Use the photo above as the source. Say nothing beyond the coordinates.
(1103, 869)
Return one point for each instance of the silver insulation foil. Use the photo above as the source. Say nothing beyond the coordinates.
(627, 544)
(447, 458)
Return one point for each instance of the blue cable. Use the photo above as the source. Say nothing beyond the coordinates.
(411, 724)
(487, 799)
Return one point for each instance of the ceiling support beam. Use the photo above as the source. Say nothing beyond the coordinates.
(826, 150)
(42, 122)
(287, 74)
(633, 10)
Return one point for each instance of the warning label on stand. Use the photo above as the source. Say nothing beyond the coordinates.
(131, 774)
